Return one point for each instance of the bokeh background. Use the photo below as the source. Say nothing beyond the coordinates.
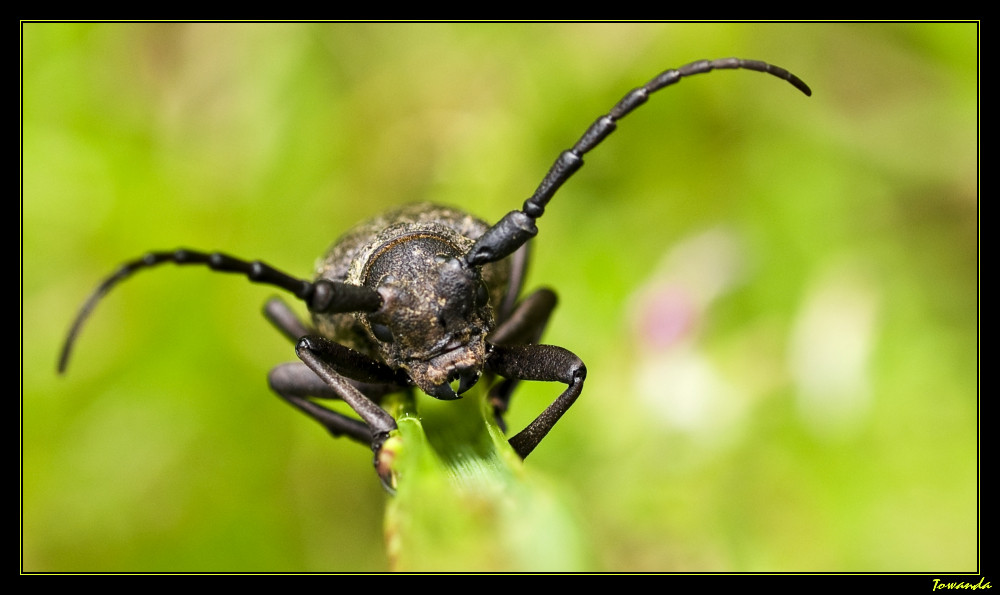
(776, 297)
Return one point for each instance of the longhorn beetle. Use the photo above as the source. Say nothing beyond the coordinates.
(423, 296)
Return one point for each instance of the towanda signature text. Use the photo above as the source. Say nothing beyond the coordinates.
(982, 584)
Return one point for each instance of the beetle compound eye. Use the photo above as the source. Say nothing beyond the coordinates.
(382, 332)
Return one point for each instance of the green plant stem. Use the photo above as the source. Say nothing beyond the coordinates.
(464, 499)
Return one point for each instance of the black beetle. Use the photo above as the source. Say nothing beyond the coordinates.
(424, 296)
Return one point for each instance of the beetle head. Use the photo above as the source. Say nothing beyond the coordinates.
(435, 313)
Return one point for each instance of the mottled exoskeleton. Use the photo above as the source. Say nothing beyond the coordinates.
(424, 296)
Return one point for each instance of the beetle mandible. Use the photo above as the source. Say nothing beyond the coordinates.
(423, 296)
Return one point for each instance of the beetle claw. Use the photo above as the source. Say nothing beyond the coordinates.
(468, 379)
(444, 392)
(386, 448)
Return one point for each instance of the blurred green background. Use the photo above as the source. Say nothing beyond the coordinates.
(776, 297)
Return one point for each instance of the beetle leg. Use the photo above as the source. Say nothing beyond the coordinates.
(332, 363)
(529, 318)
(294, 382)
(279, 314)
(518, 271)
(332, 371)
(297, 384)
(524, 326)
(539, 362)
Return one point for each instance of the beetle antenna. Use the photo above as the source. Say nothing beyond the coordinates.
(517, 227)
(322, 296)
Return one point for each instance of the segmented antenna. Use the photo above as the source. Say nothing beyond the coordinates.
(321, 297)
(517, 227)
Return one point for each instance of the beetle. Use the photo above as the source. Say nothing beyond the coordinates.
(423, 296)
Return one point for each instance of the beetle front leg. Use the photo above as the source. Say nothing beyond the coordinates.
(539, 362)
(329, 360)
(525, 325)
(324, 374)
(295, 382)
